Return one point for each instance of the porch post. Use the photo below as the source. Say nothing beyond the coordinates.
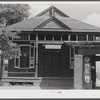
(36, 70)
(78, 69)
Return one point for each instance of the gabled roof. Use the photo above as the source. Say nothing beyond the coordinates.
(52, 11)
(53, 23)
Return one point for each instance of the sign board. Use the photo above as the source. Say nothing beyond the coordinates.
(52, 46)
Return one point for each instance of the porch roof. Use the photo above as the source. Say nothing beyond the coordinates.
(94, 44)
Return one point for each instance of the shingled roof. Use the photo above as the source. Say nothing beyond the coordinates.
(54, 17)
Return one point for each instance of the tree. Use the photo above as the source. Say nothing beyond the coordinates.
(14, 13)
(10, 14)
(8, 48)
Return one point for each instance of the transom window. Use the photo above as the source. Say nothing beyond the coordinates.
(90, 37)
(32, 36)
(81, 37)
(57, 36)
(73, 37)
(65, 37)
(41, 36)
(22, 37)
(49, 36)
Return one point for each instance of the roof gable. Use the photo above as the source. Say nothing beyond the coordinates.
(53, 23)
(52, 11)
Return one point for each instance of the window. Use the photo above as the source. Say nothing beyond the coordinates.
(90, 37)
(32, 36)
(17, 62)
(32, 59)
(64, 37)
(57, 36)
(41, 36)
(81, 37)
(73, 38)
(22, 37)
(72, 51)
(49, 37)
(27, 57)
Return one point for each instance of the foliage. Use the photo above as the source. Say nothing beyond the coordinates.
(10, 14)
(14, 13)
(9, 49)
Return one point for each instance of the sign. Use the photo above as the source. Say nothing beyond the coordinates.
(52, 46)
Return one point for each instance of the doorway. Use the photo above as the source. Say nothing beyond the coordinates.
(54, 62)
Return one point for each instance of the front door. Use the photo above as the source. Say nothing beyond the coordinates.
(51, 63)
(54, 62)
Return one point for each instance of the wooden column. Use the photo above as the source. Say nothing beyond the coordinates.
(78, 71)
(69, 37)
(87, 37)
(76, 37)
(36, 69)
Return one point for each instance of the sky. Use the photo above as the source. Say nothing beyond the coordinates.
(88, 12)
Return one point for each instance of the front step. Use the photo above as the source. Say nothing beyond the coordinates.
(6, 81)
(44, 83)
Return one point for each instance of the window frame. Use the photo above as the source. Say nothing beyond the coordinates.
(18, 57)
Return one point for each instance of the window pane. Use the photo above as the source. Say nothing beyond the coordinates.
(32, 51)
(23, 36)
(41, 36)
(32, 36)
(49, 37)
(32, 62)
(73, 38)
(57, 36)
(64, 37)
(72, 52)
(90, 37)
(72, 63)
(82, 37)
(17, 61)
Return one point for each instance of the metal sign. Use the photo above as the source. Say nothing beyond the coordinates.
(52, 46)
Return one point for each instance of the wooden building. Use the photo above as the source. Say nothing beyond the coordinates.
(48, 44)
